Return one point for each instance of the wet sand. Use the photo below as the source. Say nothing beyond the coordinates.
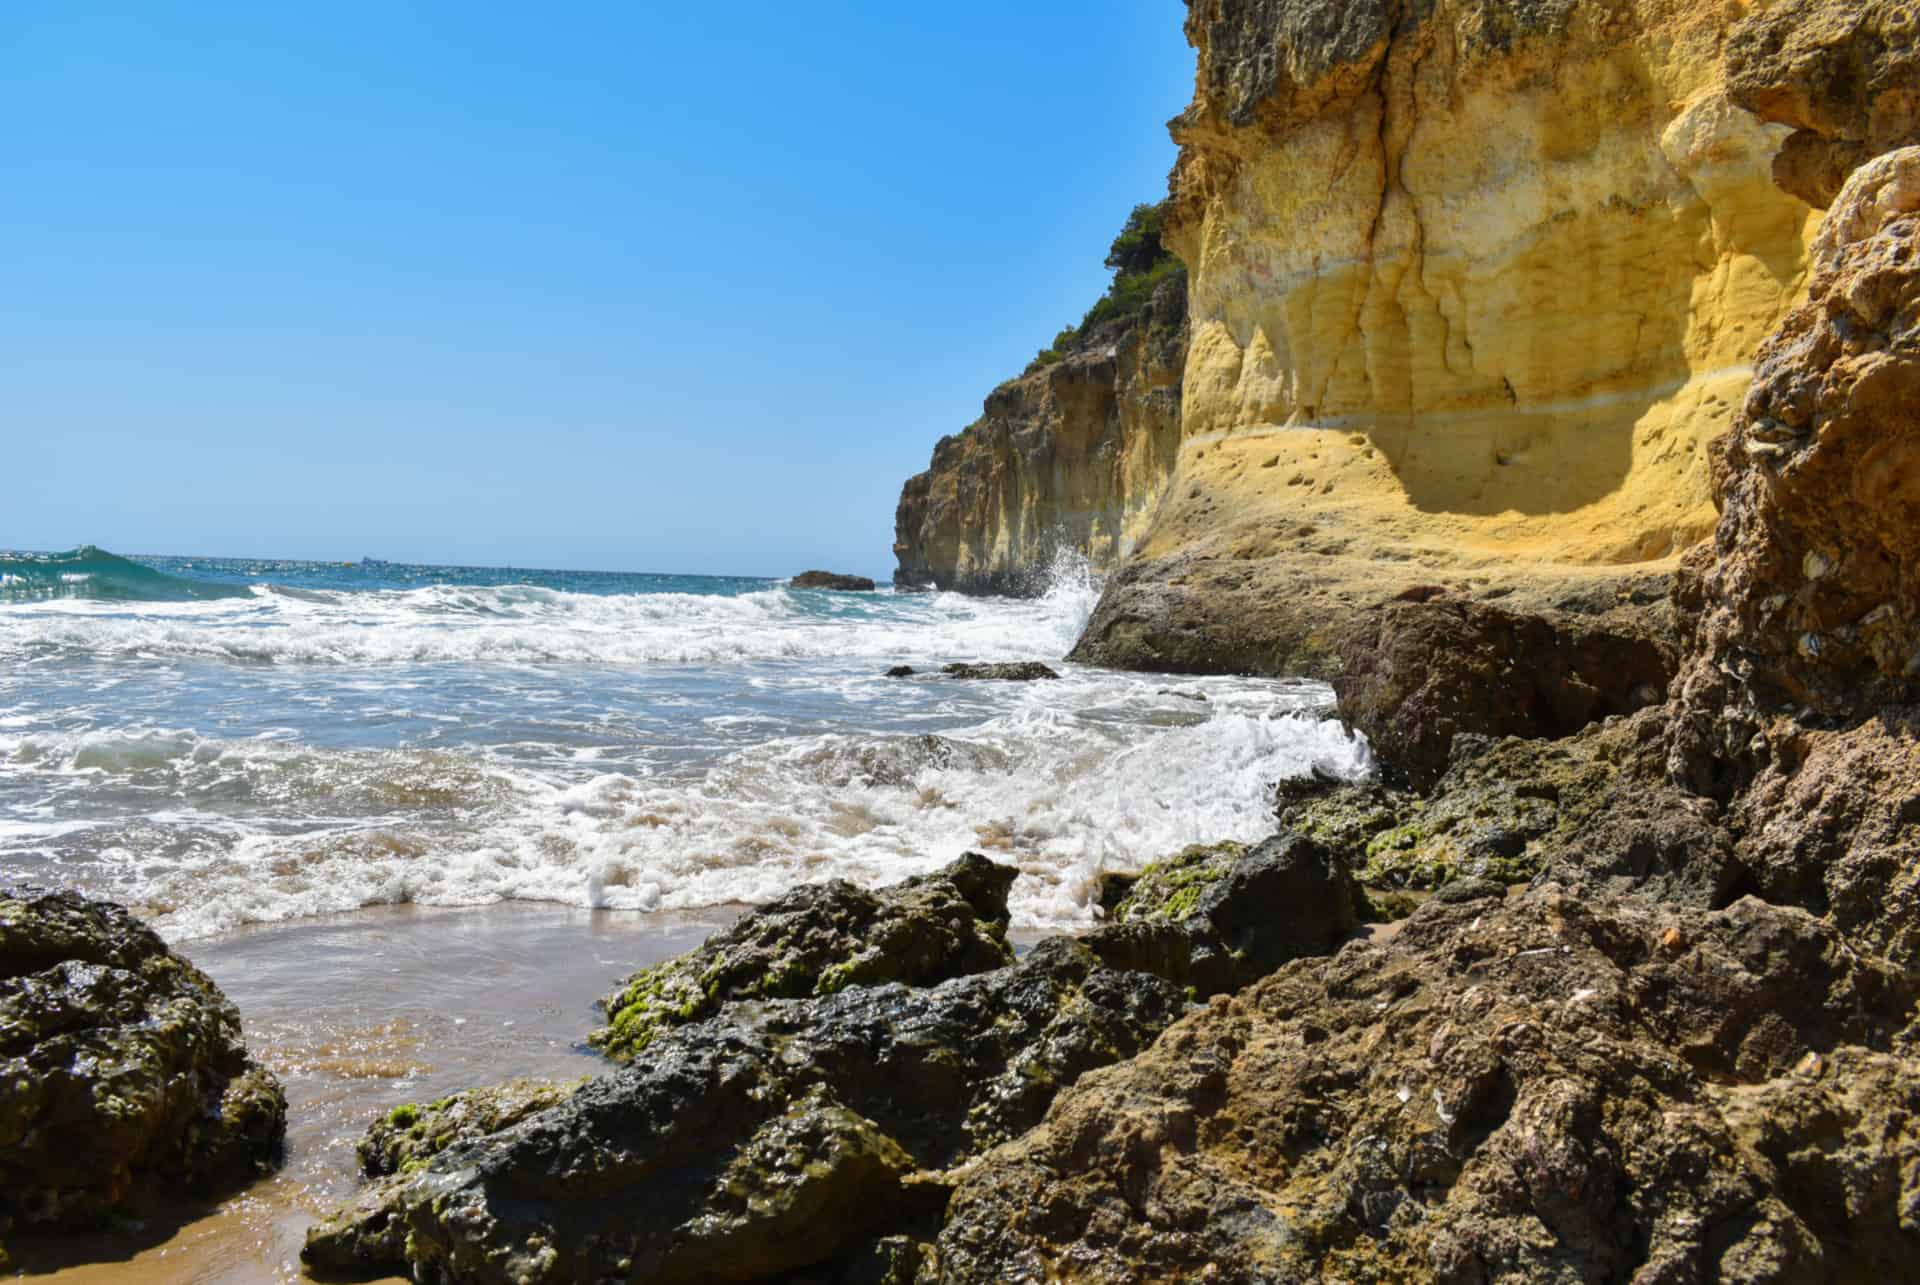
(357, 1014)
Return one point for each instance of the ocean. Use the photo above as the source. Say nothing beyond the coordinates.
(221, 742)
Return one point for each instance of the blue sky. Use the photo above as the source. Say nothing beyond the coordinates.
(584, 284)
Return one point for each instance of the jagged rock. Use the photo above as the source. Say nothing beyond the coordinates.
(1845, 76)
(1216, 917)
(409, 1135)
(831, 580)
(1429, 671)
(1811, 601)
(820, 939)
(767, 1139)
(1593, 810)
(122, 1071)
(1016, 671)
(1555, 1088)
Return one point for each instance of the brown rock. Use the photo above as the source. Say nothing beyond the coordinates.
(1845, 76)
(1427, 671)
(831, 580)
(1530, 1091)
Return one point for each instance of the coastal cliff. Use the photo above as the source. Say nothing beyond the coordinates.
(1473, 285)
(1070, 457)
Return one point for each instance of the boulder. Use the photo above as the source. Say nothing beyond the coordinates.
(775, 1136)
(831, 580)
(1424, 671)
(821, 939)
(408, 1136)
(1215, 917)
(123, 1077)
(1554, 1088)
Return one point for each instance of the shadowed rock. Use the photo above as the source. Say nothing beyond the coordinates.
(122, 1072)
(831, 580)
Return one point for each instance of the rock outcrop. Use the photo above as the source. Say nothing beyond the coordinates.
(1216, 917)
(818, 940)
(831, 580)
(1068, 458)
(1545, 1090)
(775, 1136)
(123, 1079)
(1473, 282)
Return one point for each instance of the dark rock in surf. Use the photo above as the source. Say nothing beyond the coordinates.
(123, 1077)
(1019, 671)
(831, 580)
(821, 939)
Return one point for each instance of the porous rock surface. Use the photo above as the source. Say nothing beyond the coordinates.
(819, 939)
(122, 1072)
(775, 1136)
(1549, 1089)
(1215, 917)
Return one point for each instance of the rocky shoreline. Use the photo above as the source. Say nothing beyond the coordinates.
(1613, 974)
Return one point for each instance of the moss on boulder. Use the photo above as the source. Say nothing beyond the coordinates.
(820, 940)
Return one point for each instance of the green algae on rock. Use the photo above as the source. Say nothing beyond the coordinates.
(411, 1134)
(122, 1072)
(773, 1136)
(821, 939)
(1214, 917)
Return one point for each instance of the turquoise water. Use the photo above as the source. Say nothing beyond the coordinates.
(229, 741)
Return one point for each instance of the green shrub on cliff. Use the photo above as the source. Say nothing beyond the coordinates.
(1141, 264)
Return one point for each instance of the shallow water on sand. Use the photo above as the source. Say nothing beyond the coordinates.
(357, 1014)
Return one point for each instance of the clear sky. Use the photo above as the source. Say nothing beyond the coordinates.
(592, 283)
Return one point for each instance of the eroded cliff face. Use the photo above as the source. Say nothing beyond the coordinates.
(1068, 458)
(1473, 284)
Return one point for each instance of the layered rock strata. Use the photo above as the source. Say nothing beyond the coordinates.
(1473, 282)
(1067, 459)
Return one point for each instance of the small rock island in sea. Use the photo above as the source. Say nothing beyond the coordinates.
(831, 580)
(1546, 375)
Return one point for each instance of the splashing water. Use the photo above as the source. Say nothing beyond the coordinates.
(324, 738)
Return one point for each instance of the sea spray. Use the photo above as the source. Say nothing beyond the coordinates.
(626, 742)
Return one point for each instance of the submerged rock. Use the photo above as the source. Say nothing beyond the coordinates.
(831, 580)
(1216, 917)
(775, 1136)
(1548, 1089)
(821, 939)
(122, 1071)
(1016, 671)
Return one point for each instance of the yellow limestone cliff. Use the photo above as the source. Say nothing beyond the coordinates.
(1473, 285)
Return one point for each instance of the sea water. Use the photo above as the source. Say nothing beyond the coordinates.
(221, 742)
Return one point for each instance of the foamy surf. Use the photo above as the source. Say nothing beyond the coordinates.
(312, 748)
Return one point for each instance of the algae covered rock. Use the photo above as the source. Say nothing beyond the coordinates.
(775, 1136)
(820, 939)
(411, 1134)
(1215, 917)
(1551, 1088)
(1023, 671)
(122, 1071)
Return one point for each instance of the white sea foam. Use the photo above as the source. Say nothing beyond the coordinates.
(489, 775)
